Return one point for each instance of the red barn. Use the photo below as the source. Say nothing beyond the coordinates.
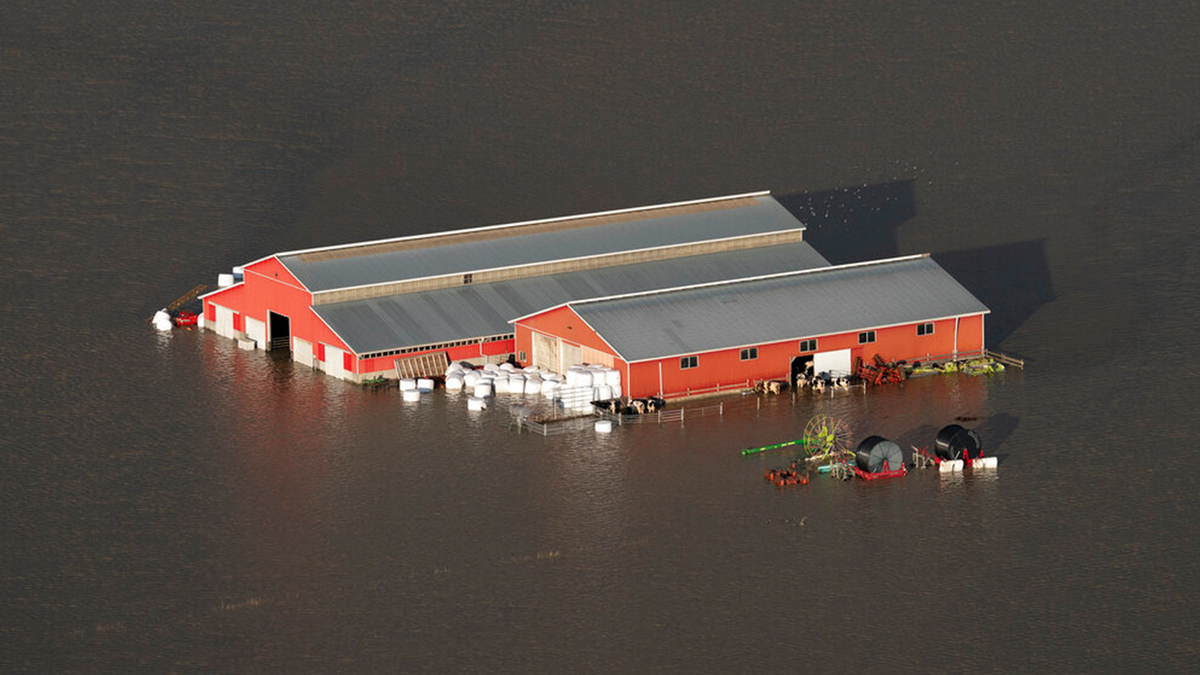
(724, 335)
(415, 303)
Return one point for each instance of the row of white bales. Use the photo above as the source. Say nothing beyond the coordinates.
(581, 385)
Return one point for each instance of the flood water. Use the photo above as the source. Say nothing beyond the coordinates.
(169, 504)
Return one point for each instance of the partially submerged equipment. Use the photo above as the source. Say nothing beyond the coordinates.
(878, 457)
(956, 442)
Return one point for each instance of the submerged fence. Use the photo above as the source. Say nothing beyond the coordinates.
(553, 427)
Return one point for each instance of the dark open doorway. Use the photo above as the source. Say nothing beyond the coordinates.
(280, 331)
(801, 365)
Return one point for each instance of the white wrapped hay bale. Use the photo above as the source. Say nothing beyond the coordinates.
(603, 393)
(408, 383)
(425, 385)
(491, 367)
(411, 395)
(501, 385)
(454, 382)
(483, 390)
(612, 377)
(472, 378)
(507, 367)
(604, 426)
(583, 378)
(533, 385)
(616, 389)
(476, 403)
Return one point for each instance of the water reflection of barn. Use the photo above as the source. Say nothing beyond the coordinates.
(680, 298)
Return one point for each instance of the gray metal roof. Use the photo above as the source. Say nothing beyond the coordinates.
(822, 302)
(479, 310)
(448, 253)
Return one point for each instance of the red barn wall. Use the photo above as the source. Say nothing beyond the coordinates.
(270, 286)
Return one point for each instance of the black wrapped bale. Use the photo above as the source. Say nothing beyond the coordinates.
(876, 454)
(955, 442)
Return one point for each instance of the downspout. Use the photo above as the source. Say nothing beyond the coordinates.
(660, 387)
(956, 320)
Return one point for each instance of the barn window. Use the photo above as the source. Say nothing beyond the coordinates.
(521, 357)
(468, 278)
(866, 336)
(688, 362)
(924, 329)
(749, 354)
(808, 345)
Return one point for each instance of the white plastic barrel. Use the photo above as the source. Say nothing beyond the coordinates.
(987, 462)
(411, 395)
(604, 426)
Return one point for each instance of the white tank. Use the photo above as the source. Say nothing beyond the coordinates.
(424, 384)
(408, 383)
(224, 280)
(411, 395)
(454, 382)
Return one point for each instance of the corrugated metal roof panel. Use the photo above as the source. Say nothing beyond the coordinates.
(823, 302)
(479, 310)
(404, 260)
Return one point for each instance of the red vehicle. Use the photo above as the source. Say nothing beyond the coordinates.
(186, 319)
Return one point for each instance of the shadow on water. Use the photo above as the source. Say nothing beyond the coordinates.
(1013, 280)
(995, 430)
(860, 223)
(854, 224)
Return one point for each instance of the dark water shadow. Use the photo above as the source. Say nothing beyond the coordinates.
(1013, 280)
(854, 224)
(995, 430)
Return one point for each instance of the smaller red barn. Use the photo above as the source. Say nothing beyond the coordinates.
(726, 335)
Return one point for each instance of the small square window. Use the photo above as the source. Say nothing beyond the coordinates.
(749, 354)
(808, 345)
(688, 362)
(468, 278)
(521, 357)
(866, 336)
(925, 329)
